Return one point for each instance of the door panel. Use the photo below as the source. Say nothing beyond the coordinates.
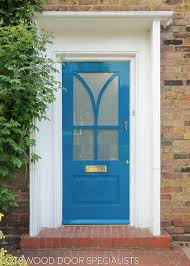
(96, 142)
(83, 187)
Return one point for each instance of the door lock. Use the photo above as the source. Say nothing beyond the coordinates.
(127, 161)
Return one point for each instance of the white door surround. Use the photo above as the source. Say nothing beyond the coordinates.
(104, 36)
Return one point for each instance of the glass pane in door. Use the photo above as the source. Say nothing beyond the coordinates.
(82, 105)
(95, 81)
(108, 110)
(108, 144)
(83, 144)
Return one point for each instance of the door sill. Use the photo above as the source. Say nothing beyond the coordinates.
(98, 222)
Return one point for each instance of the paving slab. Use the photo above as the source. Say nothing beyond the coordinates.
(187, 251)
(175, 256)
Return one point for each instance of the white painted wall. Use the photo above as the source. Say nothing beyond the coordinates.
(111, 38)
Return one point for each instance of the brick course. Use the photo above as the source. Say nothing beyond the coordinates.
(175, 109)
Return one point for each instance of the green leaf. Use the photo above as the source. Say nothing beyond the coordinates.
(35, 157)
(17, 162)
(8, 200)
(26, 82)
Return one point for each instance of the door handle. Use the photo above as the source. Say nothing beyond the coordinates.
(126, 125)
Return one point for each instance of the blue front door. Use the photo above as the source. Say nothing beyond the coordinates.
(96, 143)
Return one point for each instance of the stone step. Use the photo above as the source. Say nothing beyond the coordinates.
(96, 237)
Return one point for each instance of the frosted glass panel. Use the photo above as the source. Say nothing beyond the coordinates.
(95, 81)
(83, 144)
(82, 106)
(107, 144)
(108, 111)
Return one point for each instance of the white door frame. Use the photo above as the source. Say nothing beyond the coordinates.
(46, 174)
(111, 57)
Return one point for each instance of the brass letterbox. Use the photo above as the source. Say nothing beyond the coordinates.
(96, 168)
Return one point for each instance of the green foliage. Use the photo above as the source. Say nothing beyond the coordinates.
(13, 11)
(8, 200)
(2, 236)
(27, 82)
(7, 259)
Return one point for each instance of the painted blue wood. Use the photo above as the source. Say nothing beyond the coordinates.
(90, 221)
(96, 198)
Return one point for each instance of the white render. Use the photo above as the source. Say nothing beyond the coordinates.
(104, 36)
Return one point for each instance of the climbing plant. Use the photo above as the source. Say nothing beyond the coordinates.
(27, 82)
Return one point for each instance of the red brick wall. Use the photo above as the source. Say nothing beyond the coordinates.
(175, 66)
(175, 111)
(116, 5)
(175, 74)
(17, 223)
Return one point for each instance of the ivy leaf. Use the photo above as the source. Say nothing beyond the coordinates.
(17, 162)
(17, 81)
(35, 157)
(8, 199)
